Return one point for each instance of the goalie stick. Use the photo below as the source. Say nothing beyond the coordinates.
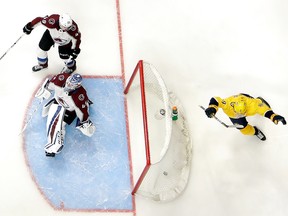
(12, 46)
(31, 115)
(221, 122)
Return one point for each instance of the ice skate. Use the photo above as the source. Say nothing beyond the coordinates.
(39, 67)
(259, 134)
(52, 149)
(69, 70)
(50, 154)
(70, 66)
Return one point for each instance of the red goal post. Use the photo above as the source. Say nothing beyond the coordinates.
(163, 145)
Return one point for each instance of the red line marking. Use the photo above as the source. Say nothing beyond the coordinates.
(121, 51)
(125, 102)
(120, 39)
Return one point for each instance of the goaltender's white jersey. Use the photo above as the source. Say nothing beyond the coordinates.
(63, 98)
(76, 100)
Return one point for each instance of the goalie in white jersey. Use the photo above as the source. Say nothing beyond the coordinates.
(70, 101)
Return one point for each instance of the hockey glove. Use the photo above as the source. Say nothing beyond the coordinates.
(27, 28)
(210, 112)
(75, 53)
(43, 92)
(278, 118)
(87, 127)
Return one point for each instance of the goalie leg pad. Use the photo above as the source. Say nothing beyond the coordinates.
(46, 107)
(55, 129)
(57, 146)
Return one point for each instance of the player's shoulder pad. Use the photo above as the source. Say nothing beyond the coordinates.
(80, 94)
(74, 31)
(60, 79)
(51, 21)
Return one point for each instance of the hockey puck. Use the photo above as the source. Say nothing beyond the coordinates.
(162, 112)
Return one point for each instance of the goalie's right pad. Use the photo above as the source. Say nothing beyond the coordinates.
(55, 130)
(43, 92)
(87, 128)
(46, 107)
(55, 148)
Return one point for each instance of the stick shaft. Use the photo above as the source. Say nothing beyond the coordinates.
(221, 122)
(27, 122)
(11, 46)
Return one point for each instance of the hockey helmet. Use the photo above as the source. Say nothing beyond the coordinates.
(240, 107)
(73, 82)
(65, 22)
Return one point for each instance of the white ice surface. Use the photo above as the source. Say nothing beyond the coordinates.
(202, 49)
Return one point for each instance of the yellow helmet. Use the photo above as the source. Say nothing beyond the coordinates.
(240, 107)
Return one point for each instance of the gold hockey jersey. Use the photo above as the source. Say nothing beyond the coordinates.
(253, 105)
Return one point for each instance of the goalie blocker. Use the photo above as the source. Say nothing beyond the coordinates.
(70, 100)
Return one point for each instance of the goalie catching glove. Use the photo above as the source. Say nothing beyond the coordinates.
(43, 92)
(87, 127)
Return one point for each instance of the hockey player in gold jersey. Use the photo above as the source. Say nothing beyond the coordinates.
(238, 107)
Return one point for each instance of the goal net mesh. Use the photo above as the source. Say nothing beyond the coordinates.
(162, 144)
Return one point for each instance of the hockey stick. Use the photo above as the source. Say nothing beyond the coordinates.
(221, 122)
(12, 46)
(31, 115)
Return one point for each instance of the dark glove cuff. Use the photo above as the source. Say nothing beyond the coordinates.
(213, 101)
(269, 114)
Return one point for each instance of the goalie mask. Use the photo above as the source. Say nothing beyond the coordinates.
(73, 82)
(65, 22)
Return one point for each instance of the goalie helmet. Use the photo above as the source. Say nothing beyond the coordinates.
(73, 82)
(65, 21)
(240, 107)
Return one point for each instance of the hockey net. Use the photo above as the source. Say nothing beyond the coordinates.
(163, 145)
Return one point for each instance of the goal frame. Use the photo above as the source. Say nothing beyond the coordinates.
(165, 174)
(139, 68)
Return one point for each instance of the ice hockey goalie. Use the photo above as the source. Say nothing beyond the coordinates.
(69, 101)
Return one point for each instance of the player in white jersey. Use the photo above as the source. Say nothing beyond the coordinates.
(70, 101)
(61, 30)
